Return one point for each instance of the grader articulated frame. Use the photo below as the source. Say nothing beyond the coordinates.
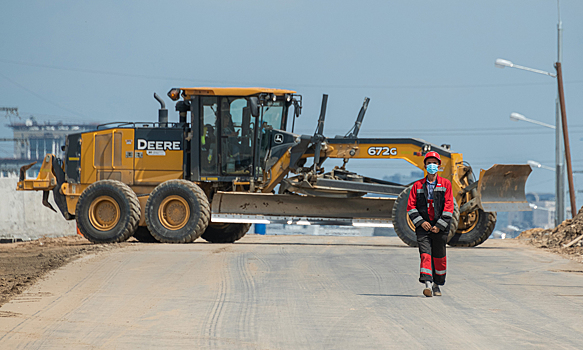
(214, 176)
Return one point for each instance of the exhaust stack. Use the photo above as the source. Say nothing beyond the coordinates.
(162, 112)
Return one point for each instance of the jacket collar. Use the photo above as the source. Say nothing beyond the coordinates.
(437, 178)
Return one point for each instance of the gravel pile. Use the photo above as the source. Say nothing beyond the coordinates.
(555, 238)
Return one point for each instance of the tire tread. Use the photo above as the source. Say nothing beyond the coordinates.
(235, 233)
(485, 233)
(134, 209)
(204, 211)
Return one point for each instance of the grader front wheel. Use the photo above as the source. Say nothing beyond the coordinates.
(404, 227)
(474, 228)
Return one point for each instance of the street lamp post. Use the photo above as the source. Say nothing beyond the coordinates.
(501, 63)
(560, 174)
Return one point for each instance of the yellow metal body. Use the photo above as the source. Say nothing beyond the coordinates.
(111, 154)
(211, 91)
(45, 180)
(451, 168)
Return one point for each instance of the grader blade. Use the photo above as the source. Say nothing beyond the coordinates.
(502, 188)
(302, 210)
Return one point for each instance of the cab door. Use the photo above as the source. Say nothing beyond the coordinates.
(209, 148)
(237, 131)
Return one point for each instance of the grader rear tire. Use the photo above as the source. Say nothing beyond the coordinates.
(108, 211)
(143, 235)
(478, 230)
(225, 233)
(404, 227)
(177, 211)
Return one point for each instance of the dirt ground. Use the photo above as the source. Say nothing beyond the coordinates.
(23, 263)
(554, 239)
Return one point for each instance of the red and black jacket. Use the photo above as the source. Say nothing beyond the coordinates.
(417, 206)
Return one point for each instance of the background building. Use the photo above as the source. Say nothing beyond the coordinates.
(32, 140)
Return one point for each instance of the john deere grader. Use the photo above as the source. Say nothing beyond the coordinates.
(215, 173)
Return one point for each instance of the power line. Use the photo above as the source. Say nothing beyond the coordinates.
(39, 96)
(337, 86)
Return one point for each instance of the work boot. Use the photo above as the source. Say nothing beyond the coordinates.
(427, 290)
(436, 290)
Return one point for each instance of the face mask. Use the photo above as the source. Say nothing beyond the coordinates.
(432, 168)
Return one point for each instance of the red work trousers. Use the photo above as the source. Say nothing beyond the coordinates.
(432, 251)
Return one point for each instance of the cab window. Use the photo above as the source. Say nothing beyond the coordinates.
(273, 115)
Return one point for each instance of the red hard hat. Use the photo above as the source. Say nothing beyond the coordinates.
(432, 155)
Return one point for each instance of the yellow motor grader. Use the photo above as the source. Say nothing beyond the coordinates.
(214, 174)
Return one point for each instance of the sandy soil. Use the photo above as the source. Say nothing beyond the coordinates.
(300, 292)
(23, 263)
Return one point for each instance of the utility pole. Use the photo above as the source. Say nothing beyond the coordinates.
(566, 139)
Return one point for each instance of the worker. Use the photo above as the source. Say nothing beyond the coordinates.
(430, 208)
(230, 142)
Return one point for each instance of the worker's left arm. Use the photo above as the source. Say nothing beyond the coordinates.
(443, 222)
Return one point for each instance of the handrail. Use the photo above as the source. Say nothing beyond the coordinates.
(142, 124)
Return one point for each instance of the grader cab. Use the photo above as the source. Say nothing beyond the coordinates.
(215, 173)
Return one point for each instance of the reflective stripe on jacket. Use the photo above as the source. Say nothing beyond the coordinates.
(442, 203)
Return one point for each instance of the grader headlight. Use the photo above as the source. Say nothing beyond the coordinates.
(174, 94)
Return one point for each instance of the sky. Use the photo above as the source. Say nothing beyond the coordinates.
(428, 67)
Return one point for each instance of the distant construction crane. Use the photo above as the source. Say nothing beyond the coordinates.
(10, 111)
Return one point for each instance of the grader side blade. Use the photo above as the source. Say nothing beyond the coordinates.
(308, 210)
(502, 188)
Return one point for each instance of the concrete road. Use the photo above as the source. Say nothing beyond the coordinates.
(300, 292)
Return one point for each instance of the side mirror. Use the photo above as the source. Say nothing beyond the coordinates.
(254, 106)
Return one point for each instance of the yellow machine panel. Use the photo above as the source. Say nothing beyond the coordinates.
(108, 154)
(187, 92)
(409, 152)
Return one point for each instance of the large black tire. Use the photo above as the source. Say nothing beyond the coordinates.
(143, 235)
(177, 211)
(108, 211)
(225, 233)
(480, 232)
(404, 227)
(401, 222)
(455, 219)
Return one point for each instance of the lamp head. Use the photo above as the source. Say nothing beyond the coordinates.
(516, 116)
(534, 163)
(501, 63)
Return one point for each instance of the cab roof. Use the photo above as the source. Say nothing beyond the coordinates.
(232, 91)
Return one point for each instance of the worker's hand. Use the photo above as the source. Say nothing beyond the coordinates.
(426, 226)
(435, 229)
